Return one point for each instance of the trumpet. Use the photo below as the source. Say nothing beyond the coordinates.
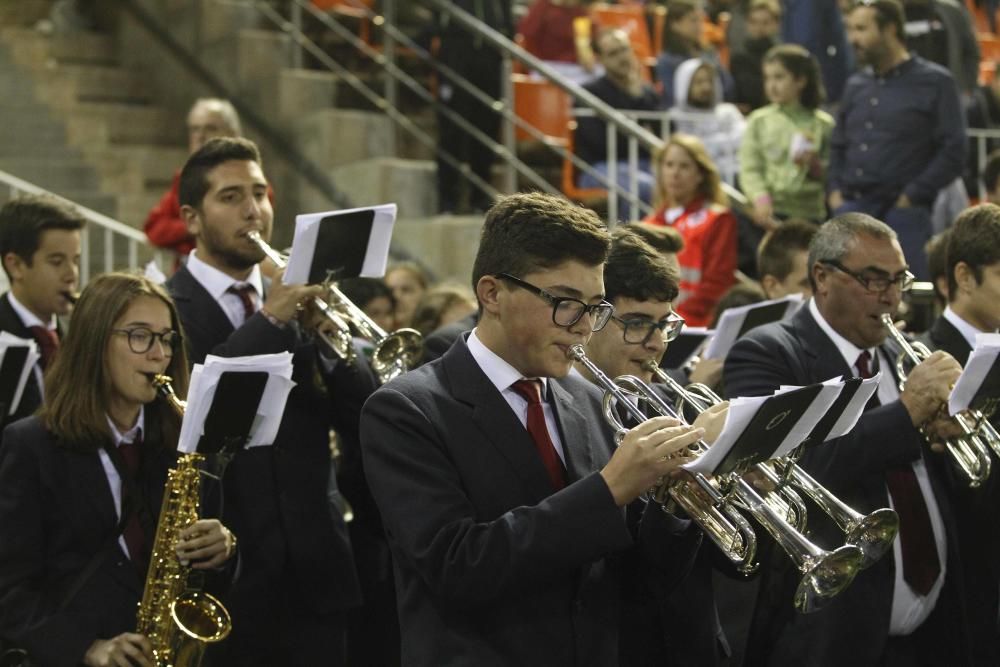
(871, 533)
(968, 452)
(824, 573)
(394, 353)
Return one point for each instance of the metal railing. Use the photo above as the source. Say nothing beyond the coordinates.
(106, 244)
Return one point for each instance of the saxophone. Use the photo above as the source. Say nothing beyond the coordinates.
(178, 619)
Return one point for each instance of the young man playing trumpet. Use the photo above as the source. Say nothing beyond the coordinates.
(973, 273)
(501, 491)
(288, 607)
(905, 609)
(40, 247)
(661, 626)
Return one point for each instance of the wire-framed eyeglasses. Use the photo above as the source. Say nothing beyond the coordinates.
(567, 311)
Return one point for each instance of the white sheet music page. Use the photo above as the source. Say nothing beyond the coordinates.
(734, 320)
(976, 369)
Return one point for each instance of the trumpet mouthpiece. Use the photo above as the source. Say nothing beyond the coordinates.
(650, 366)
(576, 352)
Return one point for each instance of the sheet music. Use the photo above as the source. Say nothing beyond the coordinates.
(205, 379)
(307, 230)
(977, 368)
(8, 340)
(732, 323)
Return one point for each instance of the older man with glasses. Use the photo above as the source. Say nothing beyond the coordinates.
(905, 609)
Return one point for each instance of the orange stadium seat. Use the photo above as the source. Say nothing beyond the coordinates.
(989, 46)
(631, 19)
(987, 70)
(979, 17)
(357, 9)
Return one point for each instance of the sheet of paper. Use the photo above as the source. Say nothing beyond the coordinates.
(735, 322)
(345, 253)
(980, 365)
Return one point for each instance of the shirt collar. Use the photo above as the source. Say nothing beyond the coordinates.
(130, 435)
(216, 282)
(28, 318)
(848, 350)
(496, 368)
(968, 331)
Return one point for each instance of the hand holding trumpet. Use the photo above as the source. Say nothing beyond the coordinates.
(928, 386)
(652, 450)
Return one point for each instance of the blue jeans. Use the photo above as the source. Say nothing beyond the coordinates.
(644, 178)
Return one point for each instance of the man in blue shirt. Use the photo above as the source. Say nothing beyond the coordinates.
(900, 134)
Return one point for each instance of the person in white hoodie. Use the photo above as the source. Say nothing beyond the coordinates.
(700, 111)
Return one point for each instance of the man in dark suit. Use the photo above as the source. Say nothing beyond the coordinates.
(973, 274)
(441, 339)
(659, 626)
(40, 247)
(299, 578)
(905, 609)
(502, 500)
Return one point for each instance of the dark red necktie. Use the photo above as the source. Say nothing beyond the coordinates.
(531, 391)
(921, 566)
(135, 538)
(245, 292)
(48, 343)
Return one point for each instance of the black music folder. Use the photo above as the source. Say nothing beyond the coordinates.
(821, 431)
(682, 348)
(12, 378)
(335, 245)
(233, 411)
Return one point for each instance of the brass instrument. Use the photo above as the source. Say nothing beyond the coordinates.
(824, 573)
(872, 533)
(394, 353)
(968, 452)
(179, 620)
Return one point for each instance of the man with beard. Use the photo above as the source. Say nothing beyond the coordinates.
(763, 25)
(298, 578)
(900, 132)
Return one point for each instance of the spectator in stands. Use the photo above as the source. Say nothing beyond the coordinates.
(900, 133)
(471, 57)
(682, 40)
(983, 113)
(442, 305)
(621, 87)
(745, 64)
(690, 199)
(40, 250)
(818, 26)
(373, 297)
(560, 33)
(941, 31)
(786, 147)
(783, 260)
(408, 283)
(700, 112)
(208, 118)
(991, 178)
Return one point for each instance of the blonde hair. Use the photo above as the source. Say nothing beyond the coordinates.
(711, 183)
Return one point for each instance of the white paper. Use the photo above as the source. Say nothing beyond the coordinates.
(855, 408)
(732, 319)
(979, 364)
(307, 231)
(205, 379)
(8, 340)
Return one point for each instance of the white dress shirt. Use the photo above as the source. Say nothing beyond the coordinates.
(503, 376)
(29, 319)
(968, 331)
(111, 472)
(909, 609)
(218, 283)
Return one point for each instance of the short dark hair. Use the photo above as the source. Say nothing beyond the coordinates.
(24, 219)
(837, 236)
(800, 64)
(663, 239)
(776, 252)
(975, 240)
(887, 12)
(937, 260)
(362, 291)
(991, 172)
(530, 231)
(194, 175)
(636, 271)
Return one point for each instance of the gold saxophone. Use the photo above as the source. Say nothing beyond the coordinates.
(178, 619)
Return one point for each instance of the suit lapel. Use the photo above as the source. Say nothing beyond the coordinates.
(944, 336)
(821, 352)
(573, 429)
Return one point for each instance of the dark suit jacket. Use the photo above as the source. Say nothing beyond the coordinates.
(295, 547)
(56, 513)
(975, 523)
(854, 627)
(31, 399)
(492, 567)
(440, 340)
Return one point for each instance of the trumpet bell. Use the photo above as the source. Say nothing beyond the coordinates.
(397, 353)
(826, 576)
(873, 534)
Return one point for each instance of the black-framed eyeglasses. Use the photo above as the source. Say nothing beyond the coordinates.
(567, 311)
(639, 331)
(140, 339)
(879, 284)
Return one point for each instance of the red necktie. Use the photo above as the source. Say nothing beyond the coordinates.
(48, 343)
(245, 292)
(921, 566)
(135, 538)
(531, 391)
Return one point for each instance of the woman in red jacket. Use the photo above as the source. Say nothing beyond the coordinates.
(690, 199)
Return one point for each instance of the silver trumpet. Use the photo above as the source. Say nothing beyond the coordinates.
(968, 452)
(824, 573)
(394, 353)
(872, 533)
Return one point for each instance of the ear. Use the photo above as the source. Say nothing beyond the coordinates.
(488, 293)
(15, 265)
(768, 283)
(191, 218)
(965, 277)
(820, 275)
